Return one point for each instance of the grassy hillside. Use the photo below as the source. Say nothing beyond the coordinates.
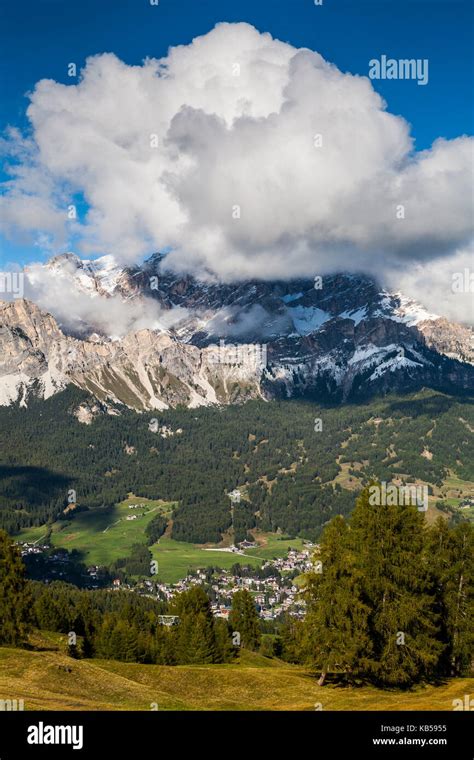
(49, 680)
(104, 534)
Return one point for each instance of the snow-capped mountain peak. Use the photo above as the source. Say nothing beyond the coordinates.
(194, 342)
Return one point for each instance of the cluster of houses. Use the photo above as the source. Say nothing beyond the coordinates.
(136, 506)
(29, 549)
(58, 560)
(58, 557)
(272, 586)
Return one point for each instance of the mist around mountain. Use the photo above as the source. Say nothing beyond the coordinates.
(148, 338)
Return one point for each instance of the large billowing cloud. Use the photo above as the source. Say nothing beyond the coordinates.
(444, 286)
(246, 157)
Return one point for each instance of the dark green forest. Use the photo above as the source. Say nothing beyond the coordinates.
(271, 451)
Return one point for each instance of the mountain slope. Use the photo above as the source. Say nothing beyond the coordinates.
(341, 338)
(293, 477)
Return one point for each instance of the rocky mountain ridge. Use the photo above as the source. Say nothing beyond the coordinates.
(337, 337)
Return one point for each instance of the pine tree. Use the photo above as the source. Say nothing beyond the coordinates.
(124, 642)
(50, 615)
(87, 623)
(387, 541)
(165, 645)
(450, 553)
(243, 619)
(15, 599)
(225, 648)
(336, 626)
(103, 639)
(202, 642)
(293, 634)
(88, 649)
(195, 637)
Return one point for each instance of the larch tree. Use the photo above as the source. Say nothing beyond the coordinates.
(336, 626)
(15, 600)
(388, 540)
(243, 619)
(450, 552)
(195, 637)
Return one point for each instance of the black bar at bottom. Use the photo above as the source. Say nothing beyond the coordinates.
(309, 734)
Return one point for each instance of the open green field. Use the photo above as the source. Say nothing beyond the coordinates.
(275, 546)
(33, 535)
(103, 535)
(49, 680)
(175, 558)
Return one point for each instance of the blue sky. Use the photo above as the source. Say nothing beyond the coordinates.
(39, 37)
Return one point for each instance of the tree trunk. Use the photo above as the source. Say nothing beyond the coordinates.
(456, 623)
(322, 677)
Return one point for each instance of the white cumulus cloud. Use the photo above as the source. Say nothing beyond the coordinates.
(247, 157)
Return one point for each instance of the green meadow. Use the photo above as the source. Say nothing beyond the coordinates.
(175, 558)
(103, 535)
